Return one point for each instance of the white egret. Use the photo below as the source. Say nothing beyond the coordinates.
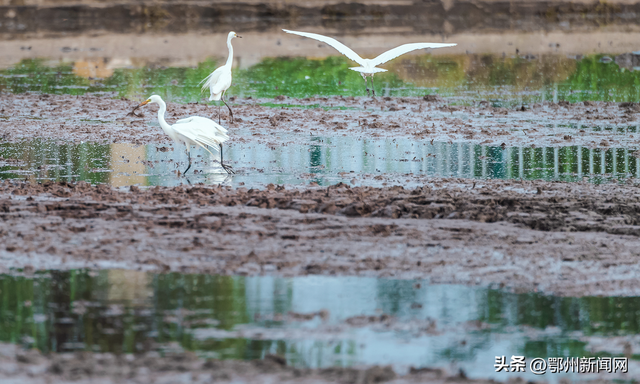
(194, 130)
(220, 80)
(368, 66)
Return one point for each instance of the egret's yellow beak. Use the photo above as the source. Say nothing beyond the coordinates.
(238, 36)
(144, 102)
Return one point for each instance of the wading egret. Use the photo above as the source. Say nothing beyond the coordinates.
(220, 80)
(368, 66)
(194, 130)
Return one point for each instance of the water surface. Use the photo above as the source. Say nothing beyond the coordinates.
(447, 326)
(303, 160)
(323, 160)
(507, 80)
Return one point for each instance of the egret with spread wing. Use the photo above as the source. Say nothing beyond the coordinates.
(194, 130)
(220, 80)
(368, 66)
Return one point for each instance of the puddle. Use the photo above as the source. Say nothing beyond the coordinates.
(312, 321)
(302, 160)
(503, 80)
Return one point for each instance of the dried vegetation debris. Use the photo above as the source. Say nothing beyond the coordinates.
(547, 206)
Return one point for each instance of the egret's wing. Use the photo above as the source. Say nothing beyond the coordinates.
(401, 50)
(223, 83)
(186, 120)
(202, 131)
(211, 79)
(332, 42)
(204, 123)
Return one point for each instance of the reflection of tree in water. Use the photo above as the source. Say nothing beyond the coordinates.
(192, 301)
(495, 165)
(395, 296)
(128, 311)
(122, 311)
(315, 160)
(13, 312)
(464, 348)
(33, 75)
(117, 324)
(548, 163)
(589, 315)
(47, 159)
(555, 347)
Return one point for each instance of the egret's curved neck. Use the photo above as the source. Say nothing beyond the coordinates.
(230, 58)
(165, 126)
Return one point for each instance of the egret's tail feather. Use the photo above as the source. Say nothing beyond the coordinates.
(207, 83)
(213, 141)
(207, 143)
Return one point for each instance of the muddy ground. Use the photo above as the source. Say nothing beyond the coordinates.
(30, 367)
(430, 118)
(566, 239)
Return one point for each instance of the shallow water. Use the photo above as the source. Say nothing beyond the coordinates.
(447, 326)
(323, 160)
(503, 80)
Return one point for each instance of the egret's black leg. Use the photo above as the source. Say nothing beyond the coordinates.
(218, 114)
(373, 89)
(365, 84)
(225, 167)
(189, 155)
(230, 112)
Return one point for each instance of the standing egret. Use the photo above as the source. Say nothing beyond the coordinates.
(194, 130)
(368, 66)
(220, 80)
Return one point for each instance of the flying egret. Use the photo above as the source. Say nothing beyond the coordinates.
(220, 80)
(194, 130)
(368, 66)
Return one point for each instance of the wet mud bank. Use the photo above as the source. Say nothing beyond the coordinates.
(184, 367)
(433, 17)
(429, 119)
(567, 239)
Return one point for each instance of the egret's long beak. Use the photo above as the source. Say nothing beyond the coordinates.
(239, 37)
(133, 111)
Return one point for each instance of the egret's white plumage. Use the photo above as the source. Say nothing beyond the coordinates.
(220, 80)
(368, 66)
(194, 130)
